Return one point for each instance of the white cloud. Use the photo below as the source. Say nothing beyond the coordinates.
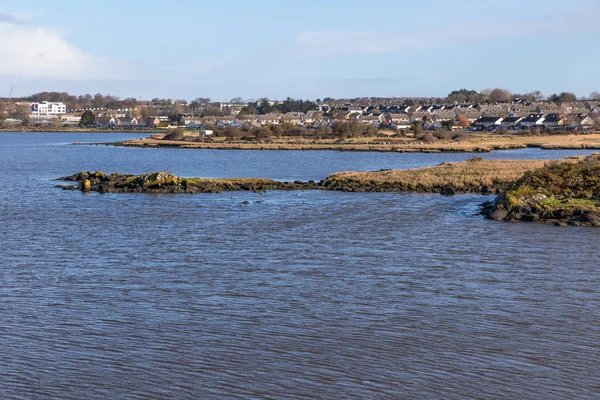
(35, 52)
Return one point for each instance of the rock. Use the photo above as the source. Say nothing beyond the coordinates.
(486, 190)
(65, 187)
(85, 185)
(531, 218)
(498, 214)
(447, 191)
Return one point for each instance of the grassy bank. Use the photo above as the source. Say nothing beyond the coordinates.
(475, 175)
(473, 143)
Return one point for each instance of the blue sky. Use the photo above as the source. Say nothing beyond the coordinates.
(303, 49)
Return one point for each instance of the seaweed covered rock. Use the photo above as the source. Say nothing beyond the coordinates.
(562, 193)
(165, 182)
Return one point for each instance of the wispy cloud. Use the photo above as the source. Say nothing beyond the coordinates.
(340, 43)
(10, 19)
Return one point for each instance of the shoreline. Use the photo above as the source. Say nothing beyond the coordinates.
(476, 144)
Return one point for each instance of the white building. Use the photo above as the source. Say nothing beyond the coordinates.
(48, 108)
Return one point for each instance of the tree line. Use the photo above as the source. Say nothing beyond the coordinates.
(499, 95)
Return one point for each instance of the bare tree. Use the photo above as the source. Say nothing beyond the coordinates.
(595, 96)
(499, 95)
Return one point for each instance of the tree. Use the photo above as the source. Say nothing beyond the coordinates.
(463, 121)
(464, 96)
(324, 131)
(537, 95)
(562, 98)
(499, 95)
(87, 119)
(22, 112)
(265, 106)
(177, 107)
(249, 110)
(99, 101)
(595, 96)
(417, 128)
(448, 124)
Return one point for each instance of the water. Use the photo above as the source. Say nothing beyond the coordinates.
(307, 295)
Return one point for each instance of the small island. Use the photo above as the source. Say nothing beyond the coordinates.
(560, 193)
(472, 176)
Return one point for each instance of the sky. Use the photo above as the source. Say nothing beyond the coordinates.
(307, 49)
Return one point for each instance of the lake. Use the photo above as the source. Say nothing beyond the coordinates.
(298, 295)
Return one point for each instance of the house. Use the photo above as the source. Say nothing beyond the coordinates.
(106, 122)
(547, 108)
(472, 115)
(313, 116)
(532, 120)
(400, 121)
(269, 119)
(444, 115)
(48, 108)
(127, 123)
(70, 120)
(432, 125)
(494, 109)
(152, 122)
(485, 123)
(13, 122)
(521, 109)
(574, 107)
(206, 132)
(510, 122)
(43, 119)
(192, 125)
(420, 116)
(554, 121)
(585, 122)
(293, 118)
(370, 120)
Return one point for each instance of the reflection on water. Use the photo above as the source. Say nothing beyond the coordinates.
(305, 295)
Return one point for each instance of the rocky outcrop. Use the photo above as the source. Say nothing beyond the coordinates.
(560, 194)
(164, 182)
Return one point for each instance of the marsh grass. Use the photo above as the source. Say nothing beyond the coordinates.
(470, 143)
(464, 176)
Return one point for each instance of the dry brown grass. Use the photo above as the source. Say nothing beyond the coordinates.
(465, 176)
(474, 143)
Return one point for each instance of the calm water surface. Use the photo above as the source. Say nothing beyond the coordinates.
(303, 295)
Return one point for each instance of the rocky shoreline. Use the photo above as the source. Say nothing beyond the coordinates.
(560, 193)
(164, 182)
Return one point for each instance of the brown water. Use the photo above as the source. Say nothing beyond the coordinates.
(305, 295)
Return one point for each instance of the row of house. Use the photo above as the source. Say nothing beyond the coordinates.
(552, 121)
(110, 122)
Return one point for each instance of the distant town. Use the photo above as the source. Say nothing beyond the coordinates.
(494, 110)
